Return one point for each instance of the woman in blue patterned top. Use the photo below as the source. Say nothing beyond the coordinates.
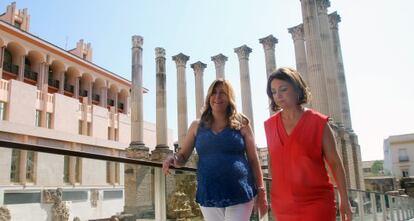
(229, 176)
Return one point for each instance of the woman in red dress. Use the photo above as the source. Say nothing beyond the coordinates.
(300, 140)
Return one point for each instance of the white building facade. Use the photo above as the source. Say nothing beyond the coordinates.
(53, 97)
(399, 155)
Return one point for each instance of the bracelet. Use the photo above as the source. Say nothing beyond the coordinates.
(176, 158)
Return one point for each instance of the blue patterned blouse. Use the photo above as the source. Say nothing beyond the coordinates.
(224, 175)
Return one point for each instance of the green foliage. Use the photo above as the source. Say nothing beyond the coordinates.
(377, 167)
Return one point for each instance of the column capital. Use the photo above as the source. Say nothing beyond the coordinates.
(334, 19)
(297, 32)
(243, 52)
(159, 52)
(268, 42)
(219, 59)
(137, 41)
(180, 59)
(198, 67)
(323, 5)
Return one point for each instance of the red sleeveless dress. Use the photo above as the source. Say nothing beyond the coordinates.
(300, 189)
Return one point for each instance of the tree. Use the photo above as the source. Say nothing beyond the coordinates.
(377, 167)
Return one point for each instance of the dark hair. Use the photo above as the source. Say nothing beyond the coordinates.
(294, 78)
(236, 120)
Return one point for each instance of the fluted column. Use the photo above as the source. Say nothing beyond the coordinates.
(137, 104)
(300, 51)
(219, 63)
(334, 19)
(246, 92)
(269, 43)
(198, 68)
(316, 74)
(330, 69)
(180, 61)
(161, 88)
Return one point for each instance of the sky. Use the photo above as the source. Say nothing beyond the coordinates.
(376, 38)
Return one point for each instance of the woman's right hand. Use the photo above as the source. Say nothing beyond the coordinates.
(169, 161)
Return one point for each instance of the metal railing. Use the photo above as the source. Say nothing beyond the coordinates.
(367, 206)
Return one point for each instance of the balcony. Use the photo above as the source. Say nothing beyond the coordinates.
(10, 71)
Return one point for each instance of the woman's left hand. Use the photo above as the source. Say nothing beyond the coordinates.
(345, 210)
(261, 203)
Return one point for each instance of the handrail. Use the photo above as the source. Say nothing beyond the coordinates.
(75, 153)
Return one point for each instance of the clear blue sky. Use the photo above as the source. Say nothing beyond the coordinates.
(376, 36)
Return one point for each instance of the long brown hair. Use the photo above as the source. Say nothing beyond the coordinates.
(235, 119)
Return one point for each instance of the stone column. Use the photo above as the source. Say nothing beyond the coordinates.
(330, 69)
(104, 95)
(61, 82)
(76, 87)
(356, 152)
(334, 19)
(198, 68)
(137, 178)
(90, 91)
(161, 150)
(22, 166)
(137, 104)
(180, 61)
(161, 106)
(41, 76)
(246, 92)
(300, 51)
(219, 62)
(269, 43)
(2, 60)
(315, 65)
(20, 76)
(116, 101)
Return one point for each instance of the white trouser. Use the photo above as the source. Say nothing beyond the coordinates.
(238, 212)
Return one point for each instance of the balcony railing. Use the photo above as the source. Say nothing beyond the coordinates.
(69, 88)
(83, 93)
(9, 67)
(96, 97)
(178, 190)
(120, 106)
(53, 83)
(29, 74)
(110, 102)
